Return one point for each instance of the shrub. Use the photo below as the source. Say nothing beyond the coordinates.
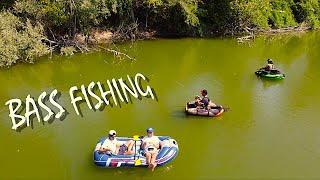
(19, 41)
(67, 51)
(281, 14)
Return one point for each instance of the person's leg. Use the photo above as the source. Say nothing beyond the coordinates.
(153, 160)
(211, 104)
(130, 144)
(148, 158)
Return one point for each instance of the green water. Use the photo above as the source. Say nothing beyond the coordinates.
(271, 130)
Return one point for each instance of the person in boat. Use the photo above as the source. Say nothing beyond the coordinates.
(151, 146)
(112, 146)
(270, 65)
(204, 101)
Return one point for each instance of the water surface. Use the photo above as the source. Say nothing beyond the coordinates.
(271, 131)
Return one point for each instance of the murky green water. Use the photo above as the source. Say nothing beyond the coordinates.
(272, 130)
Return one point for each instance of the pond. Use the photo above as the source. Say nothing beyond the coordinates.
(270, 131)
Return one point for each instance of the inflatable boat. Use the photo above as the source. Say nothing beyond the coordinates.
(212, 111)
(273, 74)
(169, 150)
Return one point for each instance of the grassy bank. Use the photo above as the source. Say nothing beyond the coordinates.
(31, 28)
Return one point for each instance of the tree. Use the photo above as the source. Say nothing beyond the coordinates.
(19, 41)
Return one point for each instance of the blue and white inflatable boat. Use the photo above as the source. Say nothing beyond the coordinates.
(169, 150)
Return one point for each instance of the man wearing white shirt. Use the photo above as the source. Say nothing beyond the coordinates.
(151, 145)
(113, 146)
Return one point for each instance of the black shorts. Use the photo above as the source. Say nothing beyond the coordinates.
(123, 149)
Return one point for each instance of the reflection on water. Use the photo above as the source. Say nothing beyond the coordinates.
(271, 130)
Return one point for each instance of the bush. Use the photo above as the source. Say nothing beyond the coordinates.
(67, 51)
(19, 41)
(281, 14)
(70, 16)
(312, 9)
(252, 13)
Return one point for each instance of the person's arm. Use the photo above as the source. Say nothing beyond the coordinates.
(199, 103)
(160, 144)
(202, 102)
(117, 149)
(101, 148)
(104, 149)
(143, 145)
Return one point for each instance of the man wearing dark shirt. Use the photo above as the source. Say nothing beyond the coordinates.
(204, 100)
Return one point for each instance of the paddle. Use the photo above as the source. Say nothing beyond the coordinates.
(224, 108)
(137, 162)
(216, 107)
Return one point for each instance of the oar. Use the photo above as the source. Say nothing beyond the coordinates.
(137, 162)
(224, 108)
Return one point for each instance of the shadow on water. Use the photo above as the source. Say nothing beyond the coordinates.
(117, 93)
(182, 115)
(33, 117)
(152, 89)
(266, 83)
(127, 171)
(64, 115)
(22, 110)
(178, 114)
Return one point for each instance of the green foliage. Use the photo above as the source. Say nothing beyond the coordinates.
(217, 16)
(67, 51)
(80, 15)
(71, 16)
(307, 11)
(276, 13)
(6, 4)
(312, 10)
(19, 41)
(281, 13)
(190, 8)
(252, 12)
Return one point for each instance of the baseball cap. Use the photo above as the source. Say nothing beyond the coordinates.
(150, 130)
(112, 132)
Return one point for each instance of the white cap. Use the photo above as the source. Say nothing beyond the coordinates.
(112, 132)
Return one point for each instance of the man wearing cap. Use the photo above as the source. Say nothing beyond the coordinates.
(151, 145)
(270, 65)
(113, 146)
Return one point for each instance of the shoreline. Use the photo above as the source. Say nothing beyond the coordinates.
(252, 33)
(104, 40)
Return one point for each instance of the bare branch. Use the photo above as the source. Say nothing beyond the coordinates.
(118, 53)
